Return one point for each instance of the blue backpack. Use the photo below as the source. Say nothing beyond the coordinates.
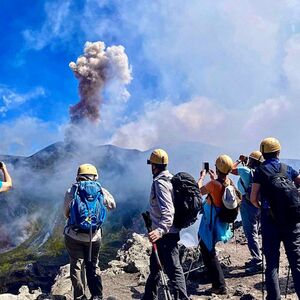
(87, 211)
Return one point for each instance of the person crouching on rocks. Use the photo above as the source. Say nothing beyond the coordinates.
(211, 229)
(85, 208)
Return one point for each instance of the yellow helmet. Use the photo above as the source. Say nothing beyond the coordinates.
(257, 155)
(87, 169)
(224, 164)
(158, 157)
(269, 145)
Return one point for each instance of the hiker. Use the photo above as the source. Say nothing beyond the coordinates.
(249, 213)
(85, 208)
(212, 229)
(163, 233)
(6, 183)
(273, 191)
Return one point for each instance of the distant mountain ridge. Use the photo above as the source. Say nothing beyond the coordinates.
(42, 178)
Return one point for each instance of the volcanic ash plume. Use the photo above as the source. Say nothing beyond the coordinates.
(94, 70)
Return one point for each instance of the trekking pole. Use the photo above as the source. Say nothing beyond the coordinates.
(263, 276)
(263, 264)
(287, 282)
(90, 244)
(164, 282)
(190, 270)
(234, 237)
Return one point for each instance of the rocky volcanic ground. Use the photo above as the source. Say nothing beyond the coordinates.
(126, 277)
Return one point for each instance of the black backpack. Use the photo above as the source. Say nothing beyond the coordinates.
(187, 200)
(282, 195)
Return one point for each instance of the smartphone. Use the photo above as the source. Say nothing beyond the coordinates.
(1, 164)
(206, 166)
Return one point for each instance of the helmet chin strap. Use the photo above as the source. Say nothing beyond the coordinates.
(155, 170)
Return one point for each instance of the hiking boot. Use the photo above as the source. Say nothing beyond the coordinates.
(96, 298)
(254, 269)
(218, 291)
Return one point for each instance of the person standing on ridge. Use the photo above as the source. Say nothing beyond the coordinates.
(85, 208)
(249, 213)
(163, 233)
(274, 191)
(212, 229)
(6, 183)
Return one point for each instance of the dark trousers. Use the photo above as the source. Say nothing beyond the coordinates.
(78, 253)
(273, 235)
(168, 252)
(213, 266)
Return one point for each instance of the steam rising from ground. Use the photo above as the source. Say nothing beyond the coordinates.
(95, 69)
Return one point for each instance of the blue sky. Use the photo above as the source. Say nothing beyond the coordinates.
(224, 73)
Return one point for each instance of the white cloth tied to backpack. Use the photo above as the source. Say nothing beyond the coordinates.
(109, 200)
(230, 197)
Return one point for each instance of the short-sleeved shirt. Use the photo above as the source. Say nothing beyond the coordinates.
(245, 179)
(216, 190)
(272, 165)
(0, 184)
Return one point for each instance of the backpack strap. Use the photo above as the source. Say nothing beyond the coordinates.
(212, 205)
(268, 174)
(283, 169)
(75, 190)
(212, 201)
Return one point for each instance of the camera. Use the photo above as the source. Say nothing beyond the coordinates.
(206, 166)
(243, 159)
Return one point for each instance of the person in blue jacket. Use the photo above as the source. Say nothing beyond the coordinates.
(249, 213)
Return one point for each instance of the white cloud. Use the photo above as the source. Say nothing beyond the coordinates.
(205, 121)
(291, 63)
(243, 55)
(26, 135)
(164, 122)
(57, 25)
(11, 99)
(229, 51)
(267, 115)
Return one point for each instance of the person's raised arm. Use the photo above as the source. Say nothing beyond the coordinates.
(202, 188)
(7, 181)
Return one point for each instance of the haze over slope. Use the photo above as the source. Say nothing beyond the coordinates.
(41, 180)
